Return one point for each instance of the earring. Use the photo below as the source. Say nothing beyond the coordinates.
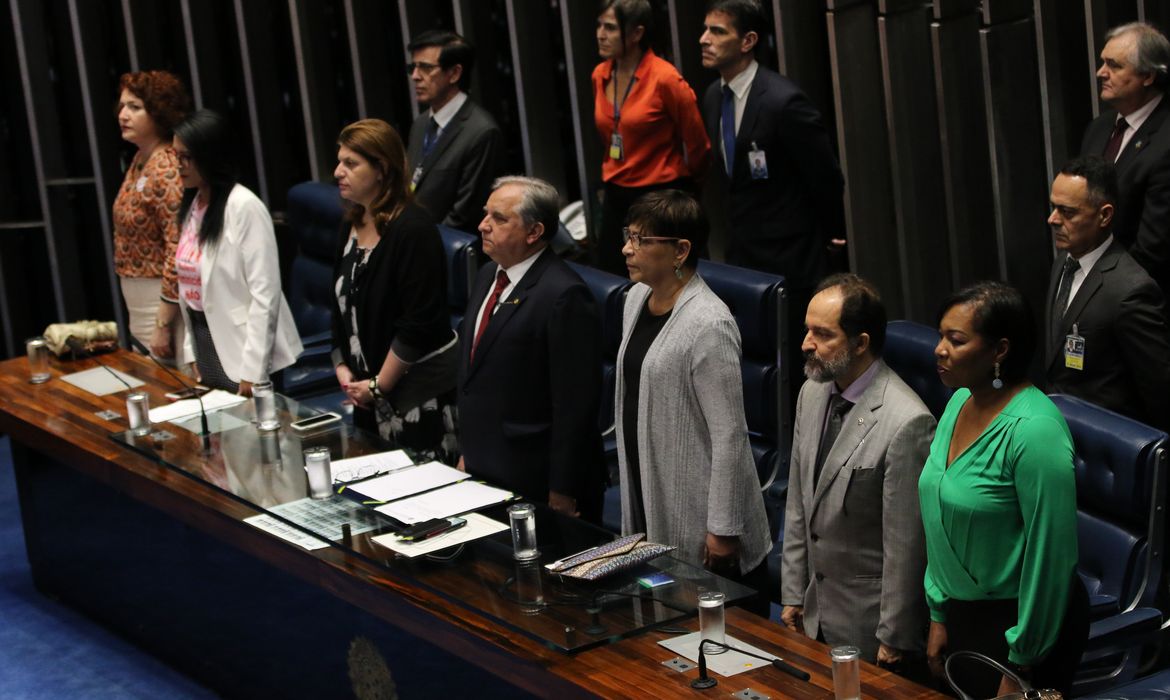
(678, 270)
(997, 383)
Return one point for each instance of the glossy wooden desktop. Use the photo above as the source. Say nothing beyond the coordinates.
(58, 422)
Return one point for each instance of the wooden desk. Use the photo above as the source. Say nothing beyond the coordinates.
(67, 466)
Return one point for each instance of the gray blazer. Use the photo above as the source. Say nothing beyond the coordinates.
(854, 554)
(456, 177)
(693, 453)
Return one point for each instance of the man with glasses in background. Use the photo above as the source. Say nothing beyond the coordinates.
(455, 146)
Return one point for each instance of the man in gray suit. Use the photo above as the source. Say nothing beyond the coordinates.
(854, 555)
(455, 146)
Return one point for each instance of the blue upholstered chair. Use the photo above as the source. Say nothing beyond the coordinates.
(759, 304)
(609, 291)
(462, 264)
(1152, 687)
(909, 352)
(314, 218)
(1121, 502)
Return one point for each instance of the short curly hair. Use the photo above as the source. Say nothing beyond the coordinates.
(162, 93)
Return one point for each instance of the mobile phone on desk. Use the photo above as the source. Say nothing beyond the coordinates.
(313, 423)
(188, 393)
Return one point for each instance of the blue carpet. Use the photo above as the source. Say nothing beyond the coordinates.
(52, 651)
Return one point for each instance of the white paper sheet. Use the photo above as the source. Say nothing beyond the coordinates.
(369, 465)
(212, 401)
(729, 663)
(440, 503)
(408, 481)
(285, 532)
(477, 526)
(101, 380)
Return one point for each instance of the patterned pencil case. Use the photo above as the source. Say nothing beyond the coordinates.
(621, 554)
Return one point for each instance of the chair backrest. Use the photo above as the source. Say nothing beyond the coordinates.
(609, 291)
(1121, 495)
(909, 351)
(462, 264)
(314, 217)
(759, 304)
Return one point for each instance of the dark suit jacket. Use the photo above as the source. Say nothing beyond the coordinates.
(528, 403)
(1142, 221)
(781, 224)
(457, 175)
(1118, 310)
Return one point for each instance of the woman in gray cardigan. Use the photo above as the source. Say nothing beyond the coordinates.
(686, 465)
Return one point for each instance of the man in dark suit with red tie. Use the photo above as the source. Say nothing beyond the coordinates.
(1106, 336)
(1134, 135)
(530, 362)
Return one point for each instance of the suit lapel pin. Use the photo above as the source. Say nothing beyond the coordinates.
(861, 421)
(1137, 146)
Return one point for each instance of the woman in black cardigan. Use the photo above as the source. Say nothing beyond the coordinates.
(393, 348)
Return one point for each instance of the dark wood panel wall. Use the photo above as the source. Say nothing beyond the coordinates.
(949, 116)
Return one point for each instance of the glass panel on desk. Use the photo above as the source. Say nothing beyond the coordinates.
(265, 469)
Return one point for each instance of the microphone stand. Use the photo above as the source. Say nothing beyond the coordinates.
(205, 435)
(704, 681)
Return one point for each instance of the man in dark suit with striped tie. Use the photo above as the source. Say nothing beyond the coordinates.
(1133, 133)
(455, 147)
(1107, 339)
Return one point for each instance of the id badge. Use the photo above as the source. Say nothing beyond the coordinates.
(758, 163)
(615, 146)
(418, 173)
(1074, 350)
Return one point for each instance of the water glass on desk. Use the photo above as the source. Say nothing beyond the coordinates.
(846, 672)
(138, 413)
(320, 472)
(38, 360)
(712, 625)
(523, 519)
(264, 398)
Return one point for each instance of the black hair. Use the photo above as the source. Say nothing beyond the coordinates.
(672, 214)
(1100, 176)
(746, 15)
(207, 137)
(631, 14)
(862, 310)
(1000, 311)
(454, 51)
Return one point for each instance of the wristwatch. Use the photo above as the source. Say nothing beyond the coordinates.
(374, 390)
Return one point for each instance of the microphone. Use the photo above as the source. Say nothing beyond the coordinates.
(205, 435)
(778, 663)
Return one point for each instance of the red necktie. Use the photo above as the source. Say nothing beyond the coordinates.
(1114, 144)
(501, 282)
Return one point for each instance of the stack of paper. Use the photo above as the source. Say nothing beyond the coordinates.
(408, 481)
(212, 401)
(452, 500)
(353, 468)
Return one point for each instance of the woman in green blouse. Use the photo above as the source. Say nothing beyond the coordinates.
(998, 500)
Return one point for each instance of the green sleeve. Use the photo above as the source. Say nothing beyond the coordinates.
(1046, 489)
(935, 598)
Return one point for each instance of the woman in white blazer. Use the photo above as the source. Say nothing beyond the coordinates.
(239, 327)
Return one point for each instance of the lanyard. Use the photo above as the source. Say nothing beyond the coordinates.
(617, 114)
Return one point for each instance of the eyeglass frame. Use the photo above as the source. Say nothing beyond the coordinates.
(635, 239)
(422, 66)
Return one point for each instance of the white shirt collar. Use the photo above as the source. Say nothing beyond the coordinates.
(516, 272)
(1089, 259)
(741, 83)
(447, 112)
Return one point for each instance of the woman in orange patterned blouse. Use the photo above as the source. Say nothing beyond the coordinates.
(146, 229)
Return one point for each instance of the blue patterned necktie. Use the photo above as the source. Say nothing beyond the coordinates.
(430, 137)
